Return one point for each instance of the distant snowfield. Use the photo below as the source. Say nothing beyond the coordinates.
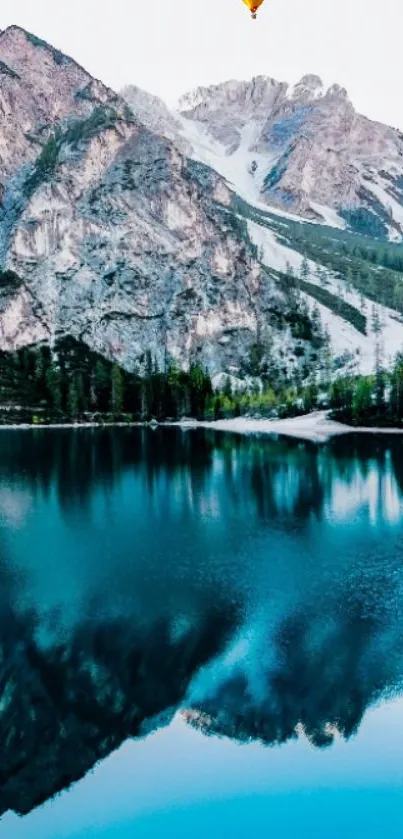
(316, 427)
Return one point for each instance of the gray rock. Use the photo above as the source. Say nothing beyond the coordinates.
(116, 237)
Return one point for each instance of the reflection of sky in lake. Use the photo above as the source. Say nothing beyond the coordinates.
(178, 783)
(307, 543)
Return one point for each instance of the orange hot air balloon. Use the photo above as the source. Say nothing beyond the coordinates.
(253, 5)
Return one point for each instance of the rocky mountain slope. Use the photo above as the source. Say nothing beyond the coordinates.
(108, 233)
(301, 148)
(156, 116)
(142, 232)
(308, 173)
(306, 150)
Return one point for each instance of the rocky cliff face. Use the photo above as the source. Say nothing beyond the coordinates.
(156, 116)
(304, 148)
(293, 154)
(40, 89)
(113, 236)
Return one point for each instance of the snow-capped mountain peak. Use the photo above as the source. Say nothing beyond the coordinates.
(301, 159)
(309, 87)
(312, 150)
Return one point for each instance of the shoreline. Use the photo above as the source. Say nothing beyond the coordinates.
(315, 427)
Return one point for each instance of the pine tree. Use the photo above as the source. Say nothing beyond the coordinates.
(398, 295)
(72, 399)
(289, 270)
(321, 275)
(54, 386)
(117, 390)
(147, 388)
(227, 389)
(341, 395)
(304, 270)
(362, 399)
(101, 385)
(349, 281)
(311, 397)
(200, 388)
(396, 391)
(376, 321)
(81, 394)
(380, 378)
(39, 365)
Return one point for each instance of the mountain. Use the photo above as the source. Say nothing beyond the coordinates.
(151, 235)
(321, 189)
(111, 235)
(156, 116)
(306, 150)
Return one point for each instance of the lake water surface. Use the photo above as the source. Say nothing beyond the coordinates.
(201, 634)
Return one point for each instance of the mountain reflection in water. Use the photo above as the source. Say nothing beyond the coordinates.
(253, 585)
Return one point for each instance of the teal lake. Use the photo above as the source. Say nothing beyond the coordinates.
(201, 635)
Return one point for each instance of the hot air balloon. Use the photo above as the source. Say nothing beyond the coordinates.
(253, 5)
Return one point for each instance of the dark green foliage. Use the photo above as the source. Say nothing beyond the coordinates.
(365, 221)
(236, 225)
(84, 94)
(375, 400)
(72, 399)
(310, 397)
(255, 360)
(44, 165)
(5, 70)
(296, 314)
(100, 385)
(117, 390)
(396, 389)
(345, 310)
(362, 399)
(72, 381)
(342, 394)
(58, 56)
(199, 390)
(82, 130)
(300, 324)
(373, 267)
(9, 280)
(129, 114)
(194, 170)
(53, 381)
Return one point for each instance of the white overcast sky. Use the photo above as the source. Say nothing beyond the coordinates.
(169, 47)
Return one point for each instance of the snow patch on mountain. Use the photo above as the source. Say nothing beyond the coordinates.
(272, 252)
(244, 170)
(328, 216)
(387, 200)
(313, 156)
(344, 338)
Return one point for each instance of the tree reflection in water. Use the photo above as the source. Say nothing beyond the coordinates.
(254, 584)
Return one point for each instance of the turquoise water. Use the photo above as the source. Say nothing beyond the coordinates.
(203, 632)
